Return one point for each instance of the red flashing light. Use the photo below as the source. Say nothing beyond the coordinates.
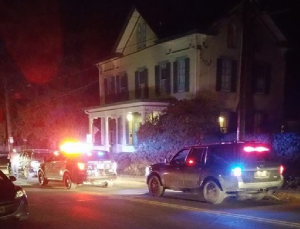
(81, 165)
(281, 169)
(191, 162)
(259, 149)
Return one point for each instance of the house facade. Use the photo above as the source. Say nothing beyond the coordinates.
(146, 71)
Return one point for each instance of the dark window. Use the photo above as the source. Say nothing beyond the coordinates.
(141, 35)
(261, 78)
(220, 155)
(181, 75)
(231, 36)
(197, 154)
(162, 79)
(110, 89)
(122, 87)
(180, 157)
(226, 75)
(141, 84)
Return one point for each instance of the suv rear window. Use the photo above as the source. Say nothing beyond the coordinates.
(220, 155)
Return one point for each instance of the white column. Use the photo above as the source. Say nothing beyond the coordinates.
(106, 133)
(143, 114)
(124, 118)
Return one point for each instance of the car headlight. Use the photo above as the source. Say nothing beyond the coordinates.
(19, 194)
(147, 171)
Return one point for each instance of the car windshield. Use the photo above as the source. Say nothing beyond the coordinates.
(98, 155)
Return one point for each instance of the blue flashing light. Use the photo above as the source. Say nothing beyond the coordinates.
(236, 171)
(101, 154)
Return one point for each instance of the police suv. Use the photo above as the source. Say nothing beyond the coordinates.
(246, 170)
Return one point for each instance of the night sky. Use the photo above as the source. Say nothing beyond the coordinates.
(42, 39)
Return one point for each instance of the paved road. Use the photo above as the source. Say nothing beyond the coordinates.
(127, 205)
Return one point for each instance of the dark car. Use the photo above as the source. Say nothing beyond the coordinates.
(4, 164)
(245, 170)
(30, 160)
(13, 199)
(95, 167)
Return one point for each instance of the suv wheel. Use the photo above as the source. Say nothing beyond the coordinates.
(42, 180)
(212, 192)
(68, 182)
(154, 186)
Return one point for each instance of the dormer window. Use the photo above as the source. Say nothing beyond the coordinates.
(141, 35)
(231, 36)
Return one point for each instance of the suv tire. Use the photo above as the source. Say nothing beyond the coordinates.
(154, 186)
(42, 180)
(68, 182)
(212, 192)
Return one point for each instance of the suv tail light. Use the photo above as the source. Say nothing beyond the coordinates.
(81, 165)
(281, 169)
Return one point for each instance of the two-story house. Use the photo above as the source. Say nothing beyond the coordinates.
(146, 70)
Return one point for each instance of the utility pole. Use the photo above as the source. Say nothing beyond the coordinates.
(8, 120)
(243, 72)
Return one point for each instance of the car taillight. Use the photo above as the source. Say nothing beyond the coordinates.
(81, 165)
(281, 169)
(250, 149)
(236, 171)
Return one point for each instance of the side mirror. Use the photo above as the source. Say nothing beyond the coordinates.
(12, 178)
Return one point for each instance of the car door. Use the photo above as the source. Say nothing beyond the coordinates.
(48, 164)
(58, 166)
(193, 167)
(173, 175)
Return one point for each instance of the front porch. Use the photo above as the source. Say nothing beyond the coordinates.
(114, 127)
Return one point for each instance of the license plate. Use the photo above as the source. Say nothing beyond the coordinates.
(261, 174)
(2, 210)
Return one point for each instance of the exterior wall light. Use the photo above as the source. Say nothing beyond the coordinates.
(129, 117)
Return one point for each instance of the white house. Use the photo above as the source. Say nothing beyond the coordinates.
(146, 71)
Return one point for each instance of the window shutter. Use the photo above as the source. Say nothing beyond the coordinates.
(113, 86)
(232, 122)
(219, 72)
(233, 75)
(175, 77)
(105, 90)
(268, 78)
(157, 80)
(168, 69)
(187, 74)
(137, 88)
(254, 77)
(118, 87)
(126, 87)
(147, 86)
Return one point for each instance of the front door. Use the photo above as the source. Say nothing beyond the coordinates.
(193, 169)
(174, 170)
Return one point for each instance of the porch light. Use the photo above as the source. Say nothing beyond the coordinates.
(221, 121)
(129, 117)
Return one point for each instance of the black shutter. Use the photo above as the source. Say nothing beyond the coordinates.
(137, 85)
(219, 74)
(233, 76)
(126, 95)
(187, 74)
(175, 77)
(255, 72)
(113, 82)
(157, 80)
(268, 75)
(118, 91)
(146, 84)
(168, 72)
(105, 91)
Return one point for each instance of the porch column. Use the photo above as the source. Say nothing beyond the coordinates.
(106, 132)
(143, 114)
(124, 118)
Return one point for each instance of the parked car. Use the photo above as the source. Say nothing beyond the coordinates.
(245, 170)
(95, 167)
(30, 160)
(13, 199)
(4, 164)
